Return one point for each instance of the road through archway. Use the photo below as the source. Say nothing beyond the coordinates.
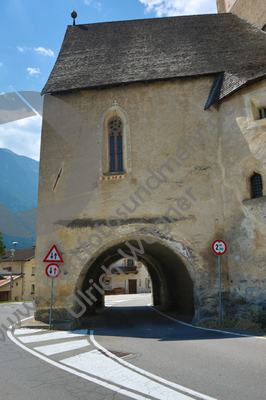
(171, 281)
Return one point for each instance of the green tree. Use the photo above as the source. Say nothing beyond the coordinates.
(2, 249)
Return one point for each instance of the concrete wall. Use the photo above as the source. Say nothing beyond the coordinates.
(206, 185)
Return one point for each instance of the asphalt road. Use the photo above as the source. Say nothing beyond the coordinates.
(25, 377)
(220, 365)
(216, 364)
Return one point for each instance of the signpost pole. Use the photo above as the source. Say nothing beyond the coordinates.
(51, 304)
(220, 289)
(52, 271)
(219, 247)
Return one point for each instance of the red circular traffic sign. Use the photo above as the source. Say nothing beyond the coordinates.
(219, 247)
(52, 270)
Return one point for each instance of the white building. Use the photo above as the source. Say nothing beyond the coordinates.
(127, 276)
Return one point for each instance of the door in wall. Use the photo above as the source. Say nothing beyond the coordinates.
(132, 286)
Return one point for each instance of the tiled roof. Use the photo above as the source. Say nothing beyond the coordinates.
(112, 53)
(20, 255)
(7, 279)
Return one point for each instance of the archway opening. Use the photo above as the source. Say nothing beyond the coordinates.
(172, 286)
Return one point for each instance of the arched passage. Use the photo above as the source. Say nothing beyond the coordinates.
(171, 282)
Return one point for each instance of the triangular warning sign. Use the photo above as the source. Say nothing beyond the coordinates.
(53, 255)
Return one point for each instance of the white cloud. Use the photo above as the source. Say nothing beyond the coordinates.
(96, 4)
(34, 71)
(22, 137)
(1, 64)
(21, 49)
(179, 7)
(45, 52)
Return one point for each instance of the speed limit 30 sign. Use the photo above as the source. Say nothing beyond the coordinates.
(52, 270)
(219, 247)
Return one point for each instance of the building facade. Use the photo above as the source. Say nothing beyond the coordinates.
(23, 274)
(127, 276)
(153, 146)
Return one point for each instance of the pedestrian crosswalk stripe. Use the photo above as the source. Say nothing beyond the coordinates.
(95, 363)
(25, 331)
(62, 347)
(52, 336)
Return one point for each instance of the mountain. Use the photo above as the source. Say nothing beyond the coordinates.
(18, 198)
(18, 181)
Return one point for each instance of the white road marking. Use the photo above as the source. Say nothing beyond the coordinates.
(114, 388)
(95, 363)
(52, 336)
(207, 329)
(148, 374)
(62, 347)
(25, 331)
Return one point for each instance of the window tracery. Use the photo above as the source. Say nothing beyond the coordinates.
(115, 133)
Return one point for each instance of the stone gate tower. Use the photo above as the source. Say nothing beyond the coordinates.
(153, 146)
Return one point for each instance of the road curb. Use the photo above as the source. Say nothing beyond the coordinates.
(207, 329)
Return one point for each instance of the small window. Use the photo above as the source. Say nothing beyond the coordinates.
(107, 282)
(32, 291)
(130, 263)
(16, 283)
(33, 271)
(262, 113)
(256, 186)
(115, 132)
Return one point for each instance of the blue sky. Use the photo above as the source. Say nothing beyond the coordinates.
(32, 32)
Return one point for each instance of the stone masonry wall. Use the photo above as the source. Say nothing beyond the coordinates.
(160, 118)
(252, 10)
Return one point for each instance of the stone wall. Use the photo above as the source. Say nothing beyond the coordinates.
(206, 182)
(252, 10)
(242, 153)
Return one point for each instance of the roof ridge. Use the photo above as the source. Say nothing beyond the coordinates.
(150, 19)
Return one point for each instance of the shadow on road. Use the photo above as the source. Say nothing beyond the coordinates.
(143, 322)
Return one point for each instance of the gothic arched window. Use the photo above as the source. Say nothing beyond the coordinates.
(256, 186)
(115, 133)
